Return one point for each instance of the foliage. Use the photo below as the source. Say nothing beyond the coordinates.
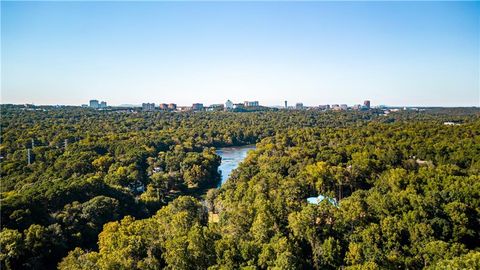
(407, 189)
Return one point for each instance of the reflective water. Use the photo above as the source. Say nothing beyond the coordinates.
(231, 157)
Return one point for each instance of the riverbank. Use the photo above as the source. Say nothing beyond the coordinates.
(231, 158)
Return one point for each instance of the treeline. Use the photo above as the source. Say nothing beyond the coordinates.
(89, 168)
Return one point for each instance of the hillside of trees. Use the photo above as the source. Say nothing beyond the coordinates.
(123, 190)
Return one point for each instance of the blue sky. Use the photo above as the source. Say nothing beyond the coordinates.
(393, 53)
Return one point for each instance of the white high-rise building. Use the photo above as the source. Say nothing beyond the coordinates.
(148, 106)
(229, 105)
(251, 104)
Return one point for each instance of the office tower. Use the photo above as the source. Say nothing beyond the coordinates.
(148, 106)
(229, 105)
(197, 106)
(366, 103)
(251, 104)
(94, 104)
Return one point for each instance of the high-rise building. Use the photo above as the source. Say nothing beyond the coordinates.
(251, 103)
(229, 105)
(197, 106)
(299, 106)
(366, 103)
(148, 106)
(163, 106)
(286, 105)
(94, 104)
(172, 106)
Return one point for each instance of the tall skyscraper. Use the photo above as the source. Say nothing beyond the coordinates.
(197, 106)
(94, 104)
(251, 104)
(286, 105)
(229, 105)
(366, 103)
(148, 106)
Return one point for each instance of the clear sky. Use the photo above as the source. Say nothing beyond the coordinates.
(393, 53)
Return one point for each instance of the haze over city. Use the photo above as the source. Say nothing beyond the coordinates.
(398, 54)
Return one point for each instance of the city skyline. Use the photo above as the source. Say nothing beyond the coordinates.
(172, 106)
(395, 54)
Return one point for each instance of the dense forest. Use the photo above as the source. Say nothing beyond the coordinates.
(87, 189)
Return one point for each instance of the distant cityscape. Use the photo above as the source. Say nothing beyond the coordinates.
(231, 106)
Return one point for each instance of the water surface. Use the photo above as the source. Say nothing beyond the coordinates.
(231, 157)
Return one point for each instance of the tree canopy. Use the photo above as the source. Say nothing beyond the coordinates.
(128, 190)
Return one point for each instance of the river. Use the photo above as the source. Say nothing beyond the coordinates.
(231, 157)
